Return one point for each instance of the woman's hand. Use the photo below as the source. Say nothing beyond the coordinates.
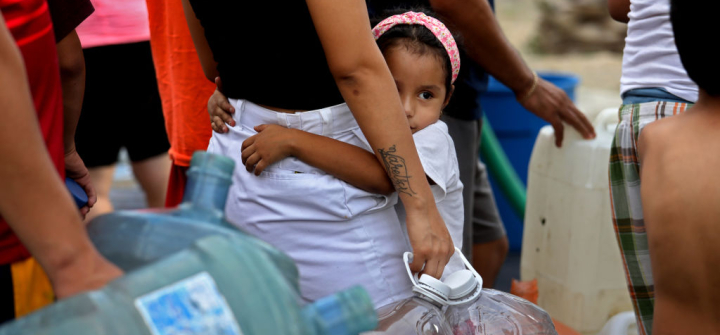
(220, 110)
(271, 144)
(430, 240)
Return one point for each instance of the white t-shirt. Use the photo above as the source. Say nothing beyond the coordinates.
(650, 58)
(437, 155)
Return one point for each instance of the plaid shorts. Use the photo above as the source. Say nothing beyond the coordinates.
(628, 220)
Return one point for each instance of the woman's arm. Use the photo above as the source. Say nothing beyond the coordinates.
(368, 88)
(354, 165)
(197, 32)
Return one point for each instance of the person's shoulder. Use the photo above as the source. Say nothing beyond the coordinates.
(657, 133)
(437, 132)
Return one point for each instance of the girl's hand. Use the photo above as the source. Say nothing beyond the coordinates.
(271, 144)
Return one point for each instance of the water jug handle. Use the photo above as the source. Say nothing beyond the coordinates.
(469, 266)
(605, 119)
(407, 258)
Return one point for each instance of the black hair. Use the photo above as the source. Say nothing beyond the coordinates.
(695, 26)
(417, 39)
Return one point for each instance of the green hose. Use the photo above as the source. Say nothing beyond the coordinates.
(503, 172)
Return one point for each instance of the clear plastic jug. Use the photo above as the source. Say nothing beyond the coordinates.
(412, 316)
(470, 310)
(499, 313)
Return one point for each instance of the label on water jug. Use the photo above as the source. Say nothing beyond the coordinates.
(191, 306)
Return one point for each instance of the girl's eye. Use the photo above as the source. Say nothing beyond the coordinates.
(425, 95)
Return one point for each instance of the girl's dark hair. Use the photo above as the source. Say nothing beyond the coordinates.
(415, 38)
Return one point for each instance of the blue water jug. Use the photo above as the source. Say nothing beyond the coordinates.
(131, 239)
(189, 272)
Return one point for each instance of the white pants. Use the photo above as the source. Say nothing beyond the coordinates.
(337, 234)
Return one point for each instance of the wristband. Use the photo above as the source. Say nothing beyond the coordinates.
(529, 93)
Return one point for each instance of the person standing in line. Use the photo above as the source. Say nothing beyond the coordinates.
(487, 48)
(31, 113)
(346, 82)
(654, 85)
(122, 105)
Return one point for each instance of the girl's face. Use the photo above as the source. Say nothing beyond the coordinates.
(420, 80)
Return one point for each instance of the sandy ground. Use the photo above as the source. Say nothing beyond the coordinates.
(599, 72)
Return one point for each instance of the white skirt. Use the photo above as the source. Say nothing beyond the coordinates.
(337, 234)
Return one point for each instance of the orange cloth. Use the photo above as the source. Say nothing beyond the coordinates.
(528, 290)
(184, 90)
(31, 287)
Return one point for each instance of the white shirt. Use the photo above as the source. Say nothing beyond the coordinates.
(437, 155)
(650, 58)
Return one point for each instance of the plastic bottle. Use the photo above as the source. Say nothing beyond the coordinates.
(412, 316)
(499, 313)
(189, 273)
(569, 243)
(131, 239)
(217, 286)
(467, 308)
(491, 312)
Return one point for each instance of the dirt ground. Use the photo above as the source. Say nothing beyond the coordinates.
(599, 72)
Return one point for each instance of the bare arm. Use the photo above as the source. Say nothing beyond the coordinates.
(368, 88)
(354, 165)
(72, 75)
(197, 32)
(619, 10)
(487, 46)
(54, 234)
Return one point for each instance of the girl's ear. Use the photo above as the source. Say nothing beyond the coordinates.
(448, 96)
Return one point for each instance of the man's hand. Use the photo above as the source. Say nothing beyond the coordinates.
(87, 271)
(220, 110)
(75, 169)
(271, 144)
(551, 104)
(430, 240)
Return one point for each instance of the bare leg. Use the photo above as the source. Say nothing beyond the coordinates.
(488, 258)
(153, 174)
(102, 179)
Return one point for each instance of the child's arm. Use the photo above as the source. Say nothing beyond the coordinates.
(352, 164)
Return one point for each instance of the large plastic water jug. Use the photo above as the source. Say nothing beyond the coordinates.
(131, 239)
(467, 309)
(569, 244)
(216, 286)
(225, 283)
(412, 316)
(499, 313)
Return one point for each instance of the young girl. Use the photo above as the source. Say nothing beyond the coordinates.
(423, 59)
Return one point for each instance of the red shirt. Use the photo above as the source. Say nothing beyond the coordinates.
(29, 23)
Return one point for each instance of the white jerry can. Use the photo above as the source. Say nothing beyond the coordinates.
(569, 243)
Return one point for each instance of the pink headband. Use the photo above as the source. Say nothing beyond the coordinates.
(436, 27)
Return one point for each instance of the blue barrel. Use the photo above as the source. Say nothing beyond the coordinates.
(516, 129)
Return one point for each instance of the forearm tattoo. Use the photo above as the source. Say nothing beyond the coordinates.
(395, 166)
